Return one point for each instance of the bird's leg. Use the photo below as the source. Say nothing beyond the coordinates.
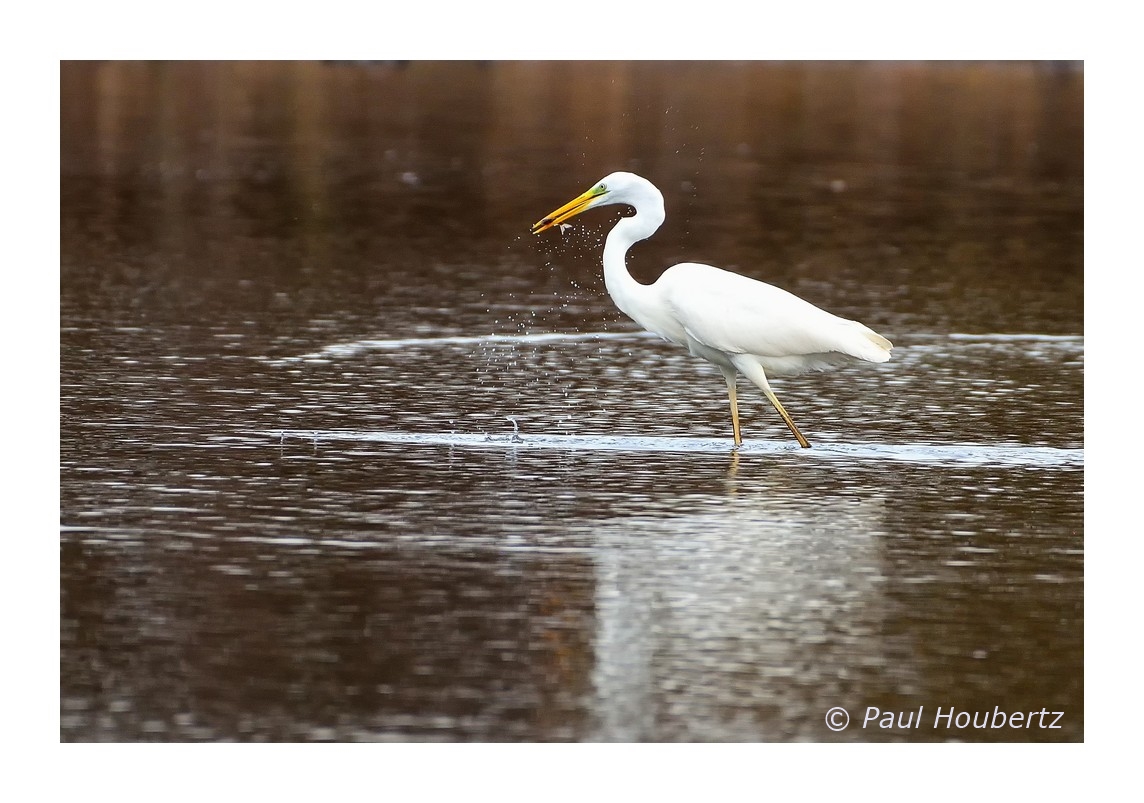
(754, 371)
(729, 375)
(775, 401)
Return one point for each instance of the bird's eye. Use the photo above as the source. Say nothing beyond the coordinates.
(603, 188)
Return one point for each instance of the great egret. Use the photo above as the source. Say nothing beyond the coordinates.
(740, 324)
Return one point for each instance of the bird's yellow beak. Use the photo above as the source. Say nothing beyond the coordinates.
(569, 210)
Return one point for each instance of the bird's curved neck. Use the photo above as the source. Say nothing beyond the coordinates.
(622, 286)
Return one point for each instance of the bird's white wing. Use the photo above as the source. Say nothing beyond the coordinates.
(734, 314)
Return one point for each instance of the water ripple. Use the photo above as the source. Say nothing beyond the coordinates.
(350, 349)
(943, 454)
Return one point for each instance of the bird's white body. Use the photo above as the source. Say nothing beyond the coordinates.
(735, 315)
(740, 324)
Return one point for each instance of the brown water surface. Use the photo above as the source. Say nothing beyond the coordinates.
(302, 318)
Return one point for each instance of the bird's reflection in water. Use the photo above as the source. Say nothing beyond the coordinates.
(740, 606)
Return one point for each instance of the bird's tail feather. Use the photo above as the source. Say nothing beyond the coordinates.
(882, 346)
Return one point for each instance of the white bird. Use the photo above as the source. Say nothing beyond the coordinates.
(742, 325)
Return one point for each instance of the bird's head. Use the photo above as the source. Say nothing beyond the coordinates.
(616, 188)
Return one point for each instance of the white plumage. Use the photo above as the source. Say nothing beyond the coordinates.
(740, 324)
